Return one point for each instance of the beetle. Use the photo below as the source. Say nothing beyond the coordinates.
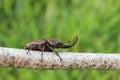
(48, 45)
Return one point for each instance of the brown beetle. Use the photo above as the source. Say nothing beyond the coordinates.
(48, 45)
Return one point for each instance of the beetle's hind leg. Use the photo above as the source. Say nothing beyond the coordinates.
(29, 50)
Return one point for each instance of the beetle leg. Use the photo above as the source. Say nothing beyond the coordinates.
(29, 50)
(56, 53)
(51, 49)
(42, 53)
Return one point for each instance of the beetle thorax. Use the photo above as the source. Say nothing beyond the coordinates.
(52, 41)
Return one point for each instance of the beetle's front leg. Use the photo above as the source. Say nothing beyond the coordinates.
(56, 53)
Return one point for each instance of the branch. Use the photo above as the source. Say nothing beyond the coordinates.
(11, 57)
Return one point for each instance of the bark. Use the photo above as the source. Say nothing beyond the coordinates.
(11, 57)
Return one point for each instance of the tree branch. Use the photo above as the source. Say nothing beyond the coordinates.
(11, 57)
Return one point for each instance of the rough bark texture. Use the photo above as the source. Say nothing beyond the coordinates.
(11, 57)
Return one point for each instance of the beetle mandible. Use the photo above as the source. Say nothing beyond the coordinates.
(48, 45)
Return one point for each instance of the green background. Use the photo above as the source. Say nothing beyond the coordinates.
(96, 22)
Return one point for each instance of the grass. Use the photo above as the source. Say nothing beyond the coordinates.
(95, 22)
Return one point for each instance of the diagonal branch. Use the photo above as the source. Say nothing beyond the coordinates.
(11, 57)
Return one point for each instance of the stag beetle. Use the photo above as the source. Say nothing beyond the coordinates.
(48, 45)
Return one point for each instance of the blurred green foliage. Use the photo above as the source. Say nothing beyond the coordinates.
(96, 22)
